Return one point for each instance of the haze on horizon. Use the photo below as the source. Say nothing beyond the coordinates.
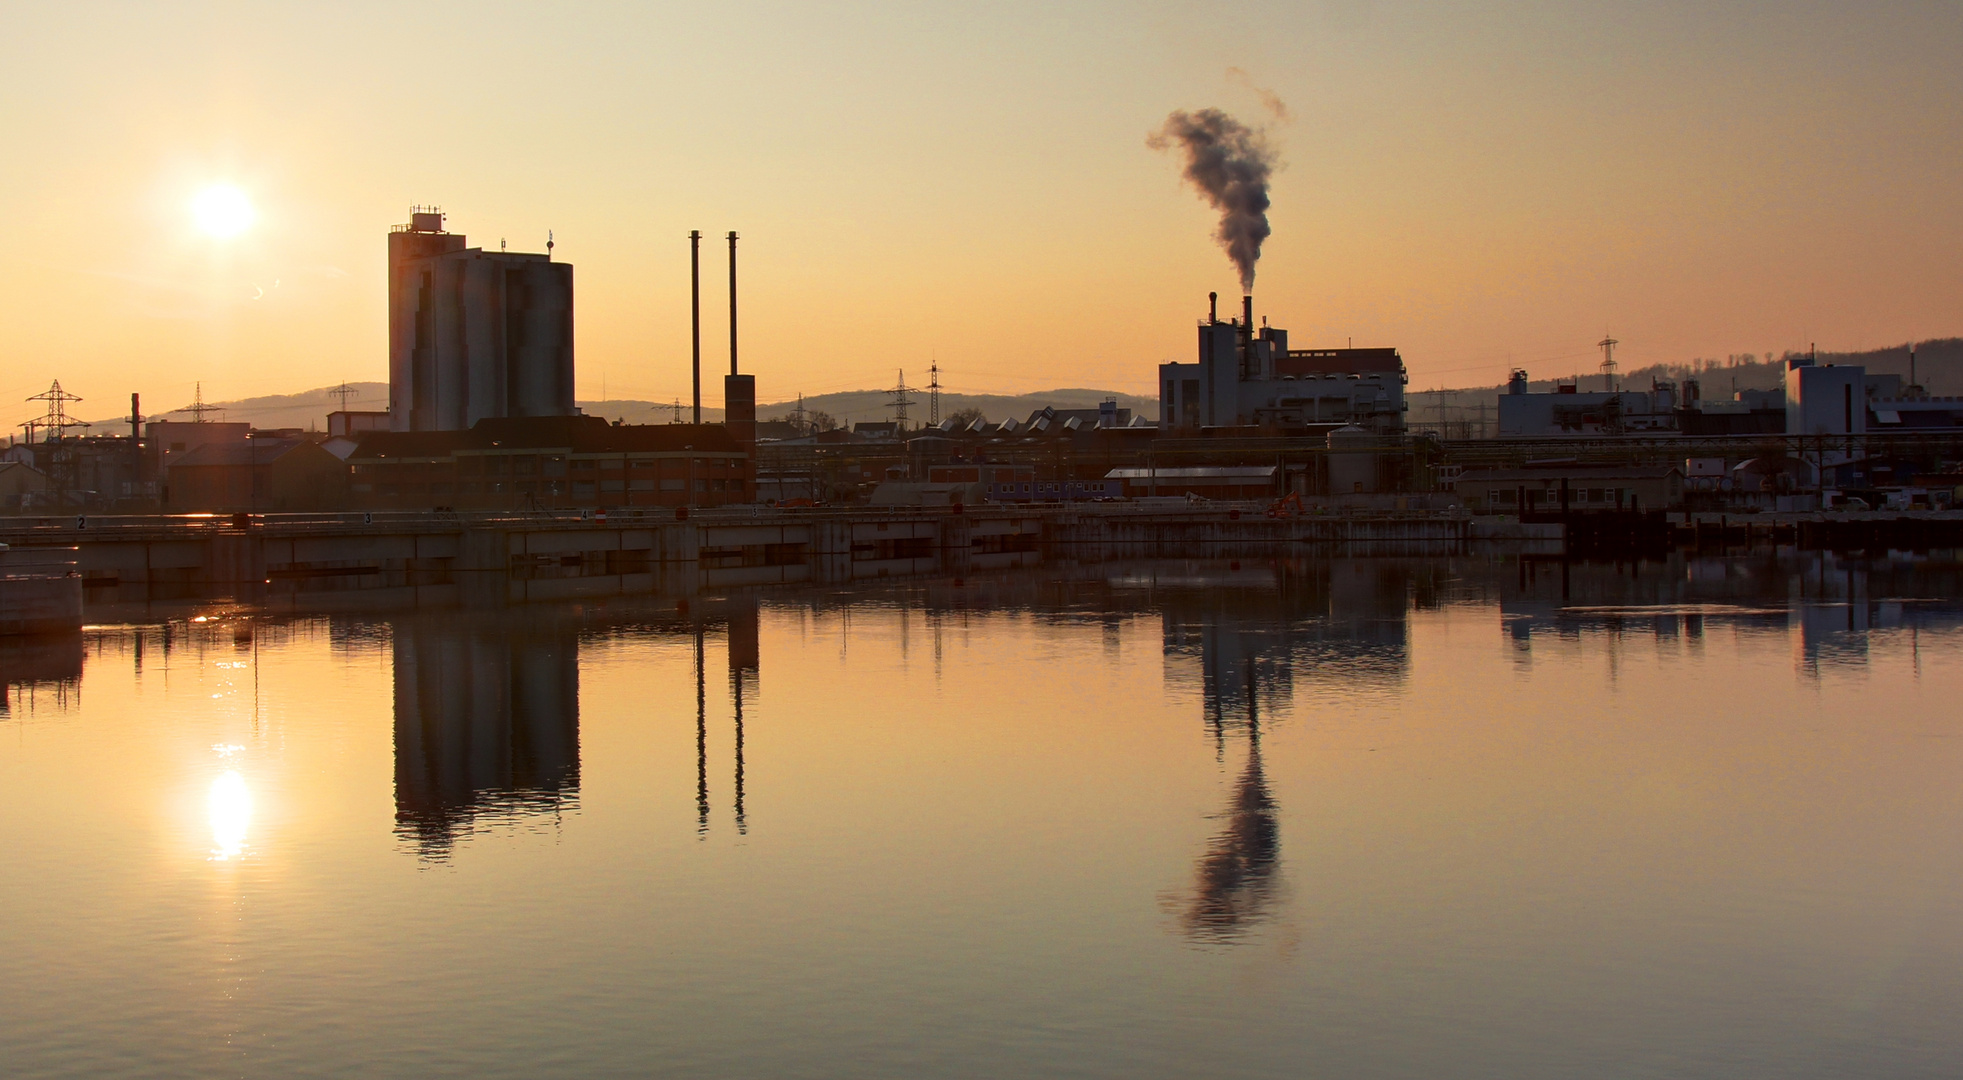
(1481, 184)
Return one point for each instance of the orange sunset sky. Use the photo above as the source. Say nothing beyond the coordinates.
(1480, 184)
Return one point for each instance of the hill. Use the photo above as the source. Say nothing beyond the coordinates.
(308, 409)
(1938, 366)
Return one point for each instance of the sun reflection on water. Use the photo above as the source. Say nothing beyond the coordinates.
(230, 806)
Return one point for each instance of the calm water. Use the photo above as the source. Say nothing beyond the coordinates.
(1354, 818)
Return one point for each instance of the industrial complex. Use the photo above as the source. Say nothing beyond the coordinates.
(481, 417)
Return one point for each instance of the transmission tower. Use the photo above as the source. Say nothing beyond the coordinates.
(56, 420)
(797, 416)
(197, 408)
(934, 394)
(902, 398)
(1607, 345)
(343, 391)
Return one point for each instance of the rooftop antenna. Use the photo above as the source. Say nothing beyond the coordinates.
(548, 245)
(501, 242)
(934, 393)
(902, 397)
(1607, 345)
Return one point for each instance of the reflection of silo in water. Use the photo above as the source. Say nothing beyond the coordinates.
(486, 725)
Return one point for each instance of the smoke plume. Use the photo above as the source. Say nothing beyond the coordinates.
(1229, 163)
(1270, 100)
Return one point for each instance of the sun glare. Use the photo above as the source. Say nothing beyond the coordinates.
(230, 805)
(222, 211)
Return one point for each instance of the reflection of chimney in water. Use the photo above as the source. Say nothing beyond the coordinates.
(743, 664)
(701, 741)
(1234, 881)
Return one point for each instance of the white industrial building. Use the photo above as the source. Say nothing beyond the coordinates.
(474, 334)
(1571, 411)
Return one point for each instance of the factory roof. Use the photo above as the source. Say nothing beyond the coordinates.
(573, 434)
(1570, 472)
(1197, 472)
(247, 452)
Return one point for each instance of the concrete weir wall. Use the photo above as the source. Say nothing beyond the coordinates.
(40, 591)
(449, 557)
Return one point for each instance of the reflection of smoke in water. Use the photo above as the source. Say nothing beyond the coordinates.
(230, 806)
(1234, 881)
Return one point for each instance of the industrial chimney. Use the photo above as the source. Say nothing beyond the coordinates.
(739, 391)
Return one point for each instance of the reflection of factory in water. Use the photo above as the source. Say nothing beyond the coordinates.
(1831, 606)
(487, 713)
(1257, 635)
(1251, 634)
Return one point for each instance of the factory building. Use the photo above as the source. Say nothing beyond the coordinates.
(474, 334)
(1246, 377)
(1571, 411)
(1830, 399)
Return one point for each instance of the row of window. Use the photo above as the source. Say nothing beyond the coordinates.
(1536, 496)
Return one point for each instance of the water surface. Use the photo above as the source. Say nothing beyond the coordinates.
(1345, 817)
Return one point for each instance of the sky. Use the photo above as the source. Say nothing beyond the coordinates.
(1482, 185)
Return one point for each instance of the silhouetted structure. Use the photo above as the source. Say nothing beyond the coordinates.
(522, 463)
(474, 334)
(486, 724)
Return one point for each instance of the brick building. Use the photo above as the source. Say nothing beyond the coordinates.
(519, 463)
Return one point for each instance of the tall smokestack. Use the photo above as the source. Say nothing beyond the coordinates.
(739, 392)
(695, 312)
(1247, 337)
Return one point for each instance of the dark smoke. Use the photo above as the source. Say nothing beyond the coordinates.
(1229, 163)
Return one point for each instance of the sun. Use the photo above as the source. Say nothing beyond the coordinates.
(223, 211)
